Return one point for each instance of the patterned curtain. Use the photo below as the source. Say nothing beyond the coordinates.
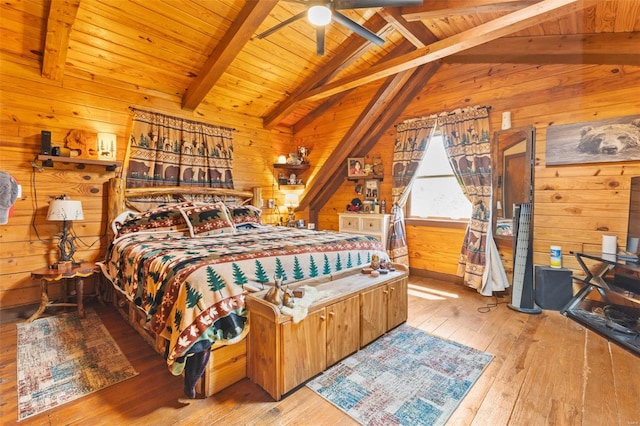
(412, 140)
(468, 145)
(170, 151)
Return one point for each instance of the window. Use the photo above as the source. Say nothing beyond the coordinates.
(435, 193)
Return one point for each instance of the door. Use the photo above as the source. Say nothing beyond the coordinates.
(373, 320)
(343, 329)
(398, 303)
(303, 349)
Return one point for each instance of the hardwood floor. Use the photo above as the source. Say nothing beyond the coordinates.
(547, 370)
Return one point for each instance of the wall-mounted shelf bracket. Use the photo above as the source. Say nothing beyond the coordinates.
(47, 161)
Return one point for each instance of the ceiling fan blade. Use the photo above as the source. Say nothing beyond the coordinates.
(361, 4)
(320, 41)
(282, 24)
(357, 28)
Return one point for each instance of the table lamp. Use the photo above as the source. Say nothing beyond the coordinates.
(291, 202)
(65, 210)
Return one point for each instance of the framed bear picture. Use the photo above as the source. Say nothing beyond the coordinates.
(613, 139)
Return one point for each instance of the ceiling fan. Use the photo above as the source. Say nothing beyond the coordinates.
(320, 13)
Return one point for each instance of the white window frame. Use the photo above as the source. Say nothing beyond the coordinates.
(436, 138)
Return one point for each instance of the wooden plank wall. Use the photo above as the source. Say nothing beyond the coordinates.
(574, 205)
(30, 104)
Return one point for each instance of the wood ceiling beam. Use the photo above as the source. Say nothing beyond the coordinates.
(602, 48)
(416, 33)
(444, 9)
(516, 21)
(347, 53)
(311, 116)
(334, 164)
(62, 15)
(394, 106)
(240, 32)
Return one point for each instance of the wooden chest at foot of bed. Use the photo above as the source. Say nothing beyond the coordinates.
(349, 311)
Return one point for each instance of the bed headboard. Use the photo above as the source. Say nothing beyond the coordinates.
(119, 196)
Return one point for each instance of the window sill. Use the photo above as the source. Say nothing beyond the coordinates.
(442, 223)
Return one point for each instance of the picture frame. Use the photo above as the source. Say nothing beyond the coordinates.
(601, 141)
(355, 167)
(371, 189)
(106, 146)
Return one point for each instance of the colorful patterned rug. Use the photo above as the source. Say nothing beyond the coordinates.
(63, 358)
(406, 377)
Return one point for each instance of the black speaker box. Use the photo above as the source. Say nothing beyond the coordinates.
(45, 142)
(553, 287)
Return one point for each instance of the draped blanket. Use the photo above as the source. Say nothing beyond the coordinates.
(193, 289)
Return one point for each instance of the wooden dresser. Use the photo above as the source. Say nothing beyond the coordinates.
(359, 309)
(373, 224)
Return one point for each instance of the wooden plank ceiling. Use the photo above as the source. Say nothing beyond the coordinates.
(208, 52)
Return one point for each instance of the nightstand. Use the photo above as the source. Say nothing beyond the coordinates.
(77, 274)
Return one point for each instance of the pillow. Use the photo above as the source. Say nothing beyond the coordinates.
(210, 219)
(245, 215)
(160, 219)
(120, 219)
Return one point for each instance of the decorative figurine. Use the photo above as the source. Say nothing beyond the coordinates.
(303, 152)
(279, 296)
(375, 262)
(294, 159)
(275, 294)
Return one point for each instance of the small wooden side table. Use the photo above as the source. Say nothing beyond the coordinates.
(47, 275)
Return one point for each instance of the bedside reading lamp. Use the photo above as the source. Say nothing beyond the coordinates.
(291, 202)
(65, 210)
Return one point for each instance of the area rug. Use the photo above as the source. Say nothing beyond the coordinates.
(406, 377)
(63, 358)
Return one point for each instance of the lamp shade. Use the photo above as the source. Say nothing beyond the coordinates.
(291, 200)
(65, 210)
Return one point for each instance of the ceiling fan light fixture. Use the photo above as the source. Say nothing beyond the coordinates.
(319, 15)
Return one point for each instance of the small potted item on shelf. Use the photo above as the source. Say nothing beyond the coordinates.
(282, 179)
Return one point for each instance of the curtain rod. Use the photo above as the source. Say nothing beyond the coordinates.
(449, 114)
(233, 129)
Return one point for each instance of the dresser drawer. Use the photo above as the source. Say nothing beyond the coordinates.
(349, 223)
(371, 224)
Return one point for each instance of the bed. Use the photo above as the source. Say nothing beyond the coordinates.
(180, 271)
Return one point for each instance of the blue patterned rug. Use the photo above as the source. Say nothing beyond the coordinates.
(406, 377)
(63, 358)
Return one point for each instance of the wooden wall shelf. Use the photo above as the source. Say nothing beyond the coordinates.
(48, 160)
(287, 187)
(299, 167)
(366, 177)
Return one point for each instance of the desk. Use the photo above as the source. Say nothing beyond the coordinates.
(47, 275)
(614, 311)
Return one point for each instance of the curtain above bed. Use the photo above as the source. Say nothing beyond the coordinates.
(170, 151)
